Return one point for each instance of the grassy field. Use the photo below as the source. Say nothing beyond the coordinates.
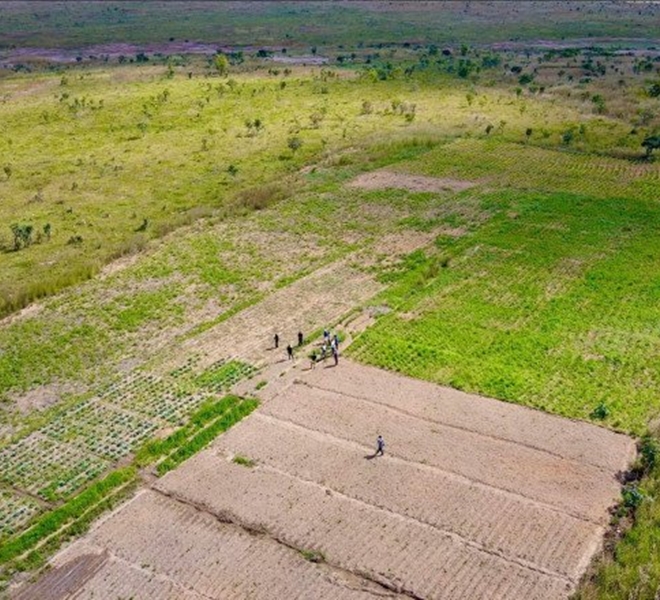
(540, 287)
(98, 161)
(319, 23)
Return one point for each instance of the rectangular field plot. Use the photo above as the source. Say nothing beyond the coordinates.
(15, 511)
(102, 430)
(47, 467)
(156, 398)
(473, 500)
(193, 551)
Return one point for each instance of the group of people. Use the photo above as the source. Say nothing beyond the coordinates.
(330, 345)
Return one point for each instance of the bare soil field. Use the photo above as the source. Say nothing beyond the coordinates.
(473, 498)
(378, 180)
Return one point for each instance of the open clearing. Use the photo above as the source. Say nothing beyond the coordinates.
(474, 498)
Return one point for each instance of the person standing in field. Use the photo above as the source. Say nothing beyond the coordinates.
(300, 338)
(380, 446)
(312, 358)
(335, 354)
(289, 351)
(277, 341)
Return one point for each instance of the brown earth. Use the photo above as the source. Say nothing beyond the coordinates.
(378, 180)
(474, 499)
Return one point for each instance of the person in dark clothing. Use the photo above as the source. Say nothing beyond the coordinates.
(277, 341)
(300, 338)
(289, 351)
(335, 355)
(380, 446)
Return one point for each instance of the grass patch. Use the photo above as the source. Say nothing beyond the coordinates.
(313, 556)
(210, 410)
(207, 435)
(244, 461)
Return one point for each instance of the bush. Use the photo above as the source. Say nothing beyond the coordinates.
(600, 412)
(649, 451)
(632, 497)
(258, 198)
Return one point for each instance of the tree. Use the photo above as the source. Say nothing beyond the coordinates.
(651, 143)
(22, 235)
(294, 143)
(221, 64)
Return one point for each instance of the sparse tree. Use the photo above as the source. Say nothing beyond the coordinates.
(221, 64)
(22, 235)
(294, 143)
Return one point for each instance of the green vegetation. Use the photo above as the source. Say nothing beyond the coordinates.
(539, 286)
(274, 25)
(28, 550)
(207, 435)
(208, 412)
(313, 556)
(544, 296)
(244, 461)
(72, 517)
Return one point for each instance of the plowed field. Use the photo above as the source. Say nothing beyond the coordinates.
(473, 499)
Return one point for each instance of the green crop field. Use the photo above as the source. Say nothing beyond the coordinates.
(148, 195)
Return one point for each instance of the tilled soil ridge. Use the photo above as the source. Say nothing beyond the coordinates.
(474, 499)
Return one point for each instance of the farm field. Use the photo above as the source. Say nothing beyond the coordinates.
(466, 192)
(433, 518)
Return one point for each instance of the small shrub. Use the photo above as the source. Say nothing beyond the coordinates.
(75, 240)
(243, 461)
(313, 556)
(632, 497)
(22, 235)
(600, 412)
(258, 198)
(650, 452)
(294, 143)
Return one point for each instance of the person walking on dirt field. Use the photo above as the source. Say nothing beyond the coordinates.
(335, 355)
(380, 446)
(289, 352)
(277, 341)
(300, 338)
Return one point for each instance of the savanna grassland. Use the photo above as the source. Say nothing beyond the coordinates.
(147, 197)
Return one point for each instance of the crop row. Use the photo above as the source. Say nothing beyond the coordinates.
(83, 441)
(221, 376)
(28, 550)
(47, 467)
(547, 304)
(72, 511)
(207, 435)
(104, 431)
(15, 511)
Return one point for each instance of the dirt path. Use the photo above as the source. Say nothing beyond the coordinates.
(307, 305)
(474, 499)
